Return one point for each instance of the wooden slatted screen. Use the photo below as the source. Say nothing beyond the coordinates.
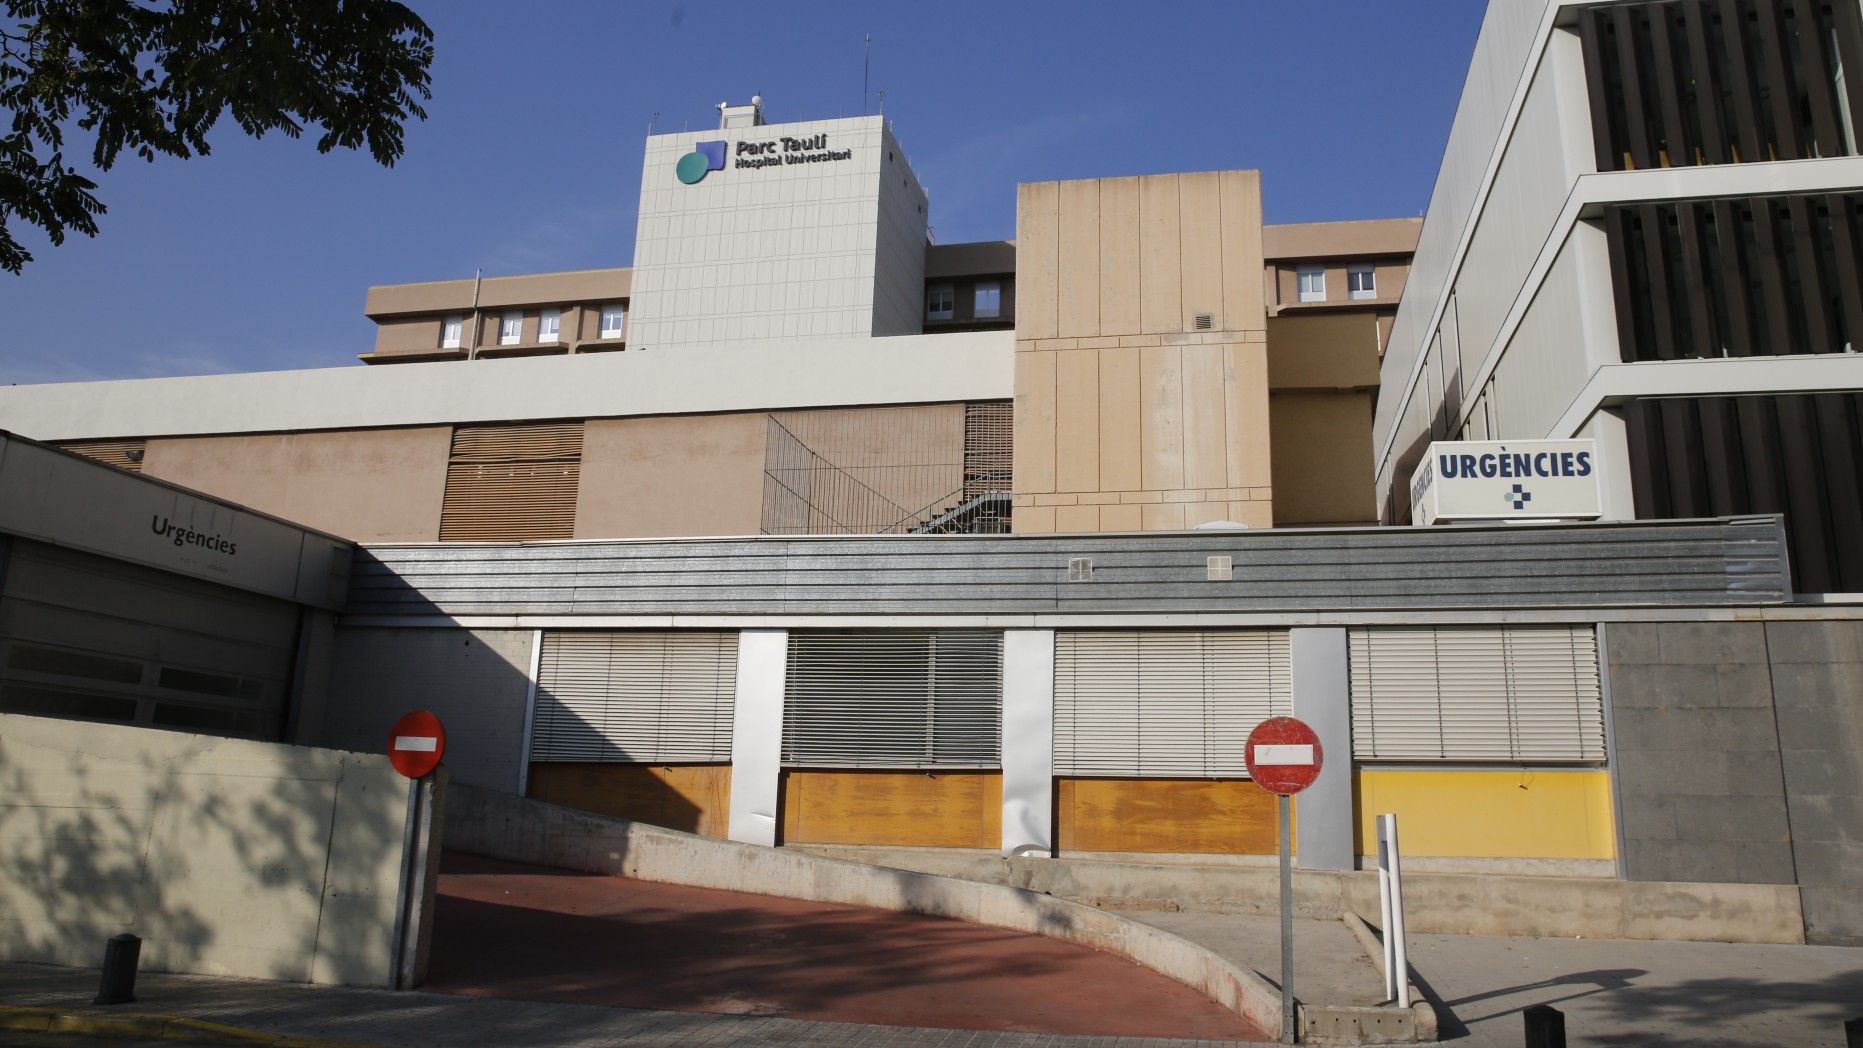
(1176, 703)
(635, 697)
(1511, 693)
(123, 454)
(894, 699)
(512, 482)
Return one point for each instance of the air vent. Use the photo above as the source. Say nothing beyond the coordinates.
(1080, 569)
(1205, 321)
(1219, 569)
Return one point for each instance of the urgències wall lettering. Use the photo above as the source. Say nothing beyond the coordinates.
(1506, 480)
(162, 526)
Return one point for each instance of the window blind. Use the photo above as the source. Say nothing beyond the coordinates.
(894, 699)
(635, 697)
(1526, 693)
(512, 483)
(1167, 703)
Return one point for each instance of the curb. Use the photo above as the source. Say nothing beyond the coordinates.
(1424, 1020)
(151, 1026)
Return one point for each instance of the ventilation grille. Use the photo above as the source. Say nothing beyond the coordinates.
(1205, 322)
(512, 483)
(894, 699)
(123, 454)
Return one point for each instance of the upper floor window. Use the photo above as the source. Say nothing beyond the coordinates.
(612, 319)
(451, 329)
(511, 329)
(550, 325)
(1362, 281)
(989, 300)
(1312, 283)
(939, 302)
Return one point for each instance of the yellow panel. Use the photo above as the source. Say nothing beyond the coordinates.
(1245, 393)
(695, 798)
(1077, 520)
(1201, 249)
(1119, 419)
(1119, 256)
(1119, 518)
(944, 809)
(1243, 295)
(1161, 417)
(1077, 420)
(1033, 464)
(1037, 259)
(1513, 814)
(1160, 276)
(1205, 816)
(1079, 294)
(1206, 437)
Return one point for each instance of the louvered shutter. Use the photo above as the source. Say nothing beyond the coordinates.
(1165, 703)
(894, 699)
(635, 697)
(512, 483)
(123, 454)
(1515, 693)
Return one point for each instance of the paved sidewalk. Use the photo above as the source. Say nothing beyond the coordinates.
(1330, 966)
(427, 1020)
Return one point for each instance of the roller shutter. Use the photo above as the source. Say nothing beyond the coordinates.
(512, 483)
(894, 699)
(635, 697)
(86, 637)
(1516, 693)
(1165, 703)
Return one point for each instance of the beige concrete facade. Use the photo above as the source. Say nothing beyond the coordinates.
(409, 318)
(1141, 367)
(682, 475)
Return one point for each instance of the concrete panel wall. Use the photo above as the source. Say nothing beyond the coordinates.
(1697, 754)
(1128, 416)
(1817, 676)
(227, 857)
(373, 485)
(678, 475)
(476, 681)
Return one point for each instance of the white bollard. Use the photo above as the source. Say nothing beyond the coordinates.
(1391, 906)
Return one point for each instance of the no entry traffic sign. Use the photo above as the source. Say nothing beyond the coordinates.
(1283, 755)
(416, 743)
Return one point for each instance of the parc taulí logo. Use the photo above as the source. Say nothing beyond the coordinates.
(704, 158)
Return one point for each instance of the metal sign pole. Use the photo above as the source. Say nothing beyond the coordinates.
(1289, 1030)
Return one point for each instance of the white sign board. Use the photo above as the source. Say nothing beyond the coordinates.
(1506, 480)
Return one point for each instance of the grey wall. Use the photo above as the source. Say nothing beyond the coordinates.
(476, 681)
(1817, 678)
(1739, 756)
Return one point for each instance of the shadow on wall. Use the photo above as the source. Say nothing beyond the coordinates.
(226, 856)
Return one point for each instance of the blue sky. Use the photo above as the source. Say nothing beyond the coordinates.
(257, 257)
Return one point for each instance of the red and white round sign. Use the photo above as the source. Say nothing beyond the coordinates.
(416, 743)
(1283, 755)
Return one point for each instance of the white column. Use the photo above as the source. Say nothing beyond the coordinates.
(757, 735)
(1028, 742)
(1619, 501)
(1323, 816)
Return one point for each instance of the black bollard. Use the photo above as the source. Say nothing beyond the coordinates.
(1545, 1026)
(1853, 1033)
(118, 985)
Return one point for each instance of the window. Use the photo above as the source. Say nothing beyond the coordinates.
(1361, 281)
(550, 325)
(612, 319)
(989, 300)
(893, 699)
(450, 329)
(1312, 281)
(938, 302)
(510, 329)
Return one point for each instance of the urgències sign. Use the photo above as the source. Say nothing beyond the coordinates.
(1506, 480)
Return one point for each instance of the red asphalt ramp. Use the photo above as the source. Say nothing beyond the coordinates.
(506, 929)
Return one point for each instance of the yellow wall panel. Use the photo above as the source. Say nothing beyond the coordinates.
(1120, 442)
(1077, 420)
(695, 798)
(1037, 259)
(1160, 274)
(944, 809)
(1246, 403)
(1206, 439)
(1119, 256)
(1512, 814)
(1243, 290)
(1206, 816)
(1161, 417)
(1200, 239)
(1079, 291)
(1033, 424)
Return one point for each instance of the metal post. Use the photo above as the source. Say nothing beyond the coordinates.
(1545, 1026)
(118, 985)
(1384, 914)
(1400, 956)
(1289, 1027)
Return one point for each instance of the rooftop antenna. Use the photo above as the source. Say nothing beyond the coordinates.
(866, 65)
(882, 101)
(652, 120)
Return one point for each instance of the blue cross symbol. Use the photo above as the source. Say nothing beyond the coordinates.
(1519, 497)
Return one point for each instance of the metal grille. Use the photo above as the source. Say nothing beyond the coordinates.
(635, 697)
(1165, 703)
(894, 699)
(1525, 693)
(123, 454)
(512, 483)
